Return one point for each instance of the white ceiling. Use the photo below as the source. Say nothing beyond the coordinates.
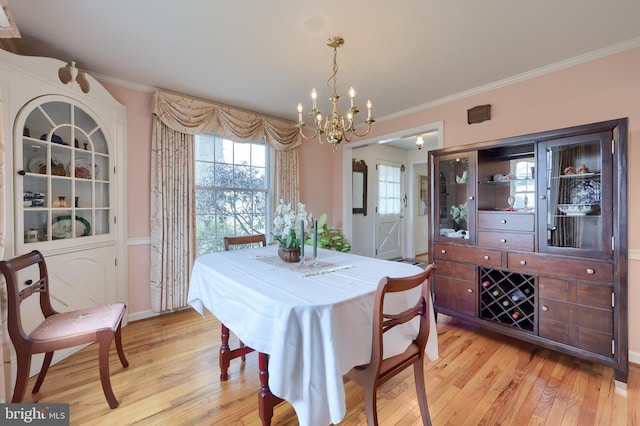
(265, 56)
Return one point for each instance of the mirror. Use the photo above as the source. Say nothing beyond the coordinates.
(359, 186)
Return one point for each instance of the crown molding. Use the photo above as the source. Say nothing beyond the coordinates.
(567, 63)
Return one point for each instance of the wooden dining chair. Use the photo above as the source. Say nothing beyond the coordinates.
(226, 353)
(58, 330)
(245, 241)
(379, 369)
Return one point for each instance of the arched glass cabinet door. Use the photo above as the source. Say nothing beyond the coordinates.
(64, 174)
(455, 199)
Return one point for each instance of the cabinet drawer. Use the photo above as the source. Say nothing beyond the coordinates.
(506, 221)
(476, 255)
(587, 270)
(506, 241)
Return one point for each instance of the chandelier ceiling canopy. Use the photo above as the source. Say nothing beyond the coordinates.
(334, 128)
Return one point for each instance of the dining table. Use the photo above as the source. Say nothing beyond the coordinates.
(310, 321)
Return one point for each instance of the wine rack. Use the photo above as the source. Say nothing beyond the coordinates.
(507, 298)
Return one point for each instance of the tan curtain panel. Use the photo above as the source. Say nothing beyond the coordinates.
(196, 116)
(173, 241)
(177, 119)
(286, 185)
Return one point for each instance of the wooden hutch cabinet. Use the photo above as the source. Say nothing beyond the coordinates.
(529, 237)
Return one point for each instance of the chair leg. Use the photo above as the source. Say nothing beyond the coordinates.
(43, 371)
(418, 374)
(371, 404)
(22, 376)
(123, 360)
(242, 357)
(105, 342)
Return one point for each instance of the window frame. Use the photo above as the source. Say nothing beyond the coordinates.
(269, 163)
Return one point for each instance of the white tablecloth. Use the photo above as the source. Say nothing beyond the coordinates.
(314, 328)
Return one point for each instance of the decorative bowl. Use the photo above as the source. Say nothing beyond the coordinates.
(575, 209)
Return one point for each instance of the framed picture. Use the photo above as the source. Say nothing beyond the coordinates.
(424, 201)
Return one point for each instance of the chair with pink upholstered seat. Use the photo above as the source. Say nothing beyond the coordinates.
(58, 330)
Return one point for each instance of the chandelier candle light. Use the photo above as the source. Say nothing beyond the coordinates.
(334, 127)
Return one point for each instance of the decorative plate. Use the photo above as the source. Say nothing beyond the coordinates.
(575, 209)
(83, 169)
(61, 227)
(584, 192)
(39, 165)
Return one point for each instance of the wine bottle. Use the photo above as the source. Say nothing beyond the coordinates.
(485, 284)
(517, 314)
(517, 296)
(506, 303)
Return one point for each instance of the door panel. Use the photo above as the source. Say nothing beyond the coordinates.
(389, 211)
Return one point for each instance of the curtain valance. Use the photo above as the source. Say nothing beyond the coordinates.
(196, 116)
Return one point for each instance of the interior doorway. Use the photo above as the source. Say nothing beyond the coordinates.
(400, 147)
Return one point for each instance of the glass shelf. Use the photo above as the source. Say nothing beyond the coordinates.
(66, 163)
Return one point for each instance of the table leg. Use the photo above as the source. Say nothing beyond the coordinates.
(225, 353)
(266, 400)
(265, 404)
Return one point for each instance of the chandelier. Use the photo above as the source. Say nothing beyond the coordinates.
(334, 126)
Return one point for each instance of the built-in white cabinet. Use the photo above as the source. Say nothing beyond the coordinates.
(64, 141)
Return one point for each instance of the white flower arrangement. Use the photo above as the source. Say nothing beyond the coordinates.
(459, 215)
(286, 224)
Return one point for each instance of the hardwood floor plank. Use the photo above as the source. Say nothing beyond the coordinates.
(480, 378)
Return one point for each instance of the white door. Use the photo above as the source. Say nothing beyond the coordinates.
(389, 211)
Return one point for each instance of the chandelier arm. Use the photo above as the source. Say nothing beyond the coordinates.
(365, 133)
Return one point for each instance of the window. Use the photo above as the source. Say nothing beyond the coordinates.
(233, 188)
(389, 187)
(523, 187)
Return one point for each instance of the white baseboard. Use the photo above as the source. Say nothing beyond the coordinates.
(136, 316)
(634, 357)
(142, 315)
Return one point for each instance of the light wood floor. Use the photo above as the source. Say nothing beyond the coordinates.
(480, 379)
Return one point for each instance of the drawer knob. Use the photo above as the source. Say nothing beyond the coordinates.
(503, 221)
(523, 262)
(545, 308)
(591, 271)
(486, 257)
(469, 290)
(443, 251)
(471, 197)
(543, 197)
(502, 240)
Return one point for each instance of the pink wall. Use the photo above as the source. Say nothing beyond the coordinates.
(599, 90)
(138, 193)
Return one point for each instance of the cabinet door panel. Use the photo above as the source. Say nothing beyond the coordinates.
(589, 340)
(594, 295)
(455, 294)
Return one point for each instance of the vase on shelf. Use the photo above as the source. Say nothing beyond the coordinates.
(289, 254)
